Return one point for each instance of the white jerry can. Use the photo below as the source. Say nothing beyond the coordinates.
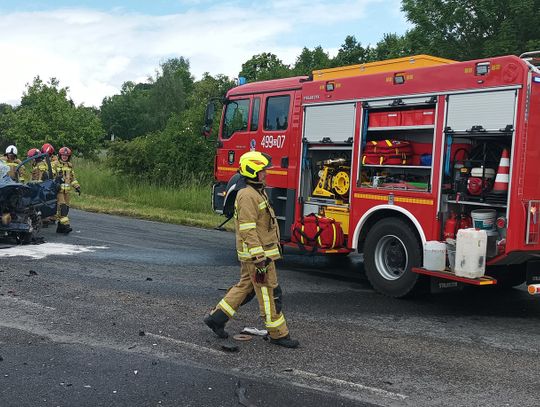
(471, 248)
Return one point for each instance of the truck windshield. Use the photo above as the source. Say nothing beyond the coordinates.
(236, 117)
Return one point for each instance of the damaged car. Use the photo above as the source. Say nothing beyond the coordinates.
(23, 206)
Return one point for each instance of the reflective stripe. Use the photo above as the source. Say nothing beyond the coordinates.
(64, 220)
(256, 250)
(278, 322)
(262, 205)
(272, 252)
(243, 255)
(319, 237)
(388, 143)
(227, 308)
(247, 226)
(302, 235)
(334, 239)
(266, 301)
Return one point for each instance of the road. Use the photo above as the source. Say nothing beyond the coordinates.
(111, 315)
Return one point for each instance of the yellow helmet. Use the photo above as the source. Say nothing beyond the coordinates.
(252, 162)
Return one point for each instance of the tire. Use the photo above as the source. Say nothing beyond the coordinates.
(391, 250)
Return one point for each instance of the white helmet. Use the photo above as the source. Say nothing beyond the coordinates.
(11, 150)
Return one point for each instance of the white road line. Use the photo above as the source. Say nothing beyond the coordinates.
(26, 302)
(357, 386)
(189, 345)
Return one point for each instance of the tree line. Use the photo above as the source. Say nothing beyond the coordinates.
(156, 124)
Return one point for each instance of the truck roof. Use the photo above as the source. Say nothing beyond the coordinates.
(275, 85)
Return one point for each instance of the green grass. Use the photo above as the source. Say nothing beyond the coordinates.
(103, 191)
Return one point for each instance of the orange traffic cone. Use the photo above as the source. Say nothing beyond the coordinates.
(503, 174)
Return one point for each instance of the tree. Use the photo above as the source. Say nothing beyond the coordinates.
(178, 153)
(263, 67)
(169, 91)
(146, 107)
(309, 60)
(391, 46)
(351, 53)
(46, 114)
(127, 115)
(467, 29)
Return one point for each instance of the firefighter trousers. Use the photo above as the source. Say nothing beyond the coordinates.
(268, 295)
(62, 201)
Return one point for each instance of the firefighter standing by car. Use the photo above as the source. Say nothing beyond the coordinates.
(48, 149)
(257, 244)
(10, 158)
(63, 169)
(40, 169)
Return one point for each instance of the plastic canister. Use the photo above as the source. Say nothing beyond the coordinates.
(434, 255)
(471, 245)
(484, 218)
(492, 237)
(451, 252)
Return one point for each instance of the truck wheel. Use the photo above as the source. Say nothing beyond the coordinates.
(391, 250)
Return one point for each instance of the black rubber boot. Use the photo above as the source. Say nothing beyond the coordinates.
(286, 342)
(65, 229)
(216, 322)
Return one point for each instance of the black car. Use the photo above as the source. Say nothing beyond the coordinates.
(23, 206)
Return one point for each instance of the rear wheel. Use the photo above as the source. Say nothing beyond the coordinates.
(391, 250)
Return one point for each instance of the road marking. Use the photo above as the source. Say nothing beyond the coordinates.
(189, 345)
(26, 302)
(48, 249)
(357, 386)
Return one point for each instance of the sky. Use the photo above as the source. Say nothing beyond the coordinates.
(93, 47)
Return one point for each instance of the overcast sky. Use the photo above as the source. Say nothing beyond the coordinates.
(94, 46)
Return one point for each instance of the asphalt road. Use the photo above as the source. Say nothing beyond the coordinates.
(112, 316)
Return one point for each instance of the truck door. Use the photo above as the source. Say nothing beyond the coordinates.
(275, 136)
(235, 136)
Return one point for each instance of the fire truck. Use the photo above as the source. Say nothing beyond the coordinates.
(399, 154)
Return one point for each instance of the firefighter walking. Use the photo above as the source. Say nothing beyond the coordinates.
(63, 168)
(257, 244)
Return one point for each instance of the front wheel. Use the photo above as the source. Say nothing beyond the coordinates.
(391, 250)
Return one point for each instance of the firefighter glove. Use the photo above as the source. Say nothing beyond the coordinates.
(78, 189)
(260, 275)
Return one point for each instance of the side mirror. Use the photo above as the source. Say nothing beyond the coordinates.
(208, 119)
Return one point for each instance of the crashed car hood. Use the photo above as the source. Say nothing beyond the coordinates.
(9, 187)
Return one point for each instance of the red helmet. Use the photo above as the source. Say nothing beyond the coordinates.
(65, 151)
(32, 152)
(47, 149)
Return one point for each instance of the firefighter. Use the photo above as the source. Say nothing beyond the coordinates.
(64, 171)
(40, 171)
(257, 244)
(49, 149)
(10, 158)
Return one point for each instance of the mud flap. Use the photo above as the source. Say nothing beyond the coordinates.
(533, 272)
(442, 285)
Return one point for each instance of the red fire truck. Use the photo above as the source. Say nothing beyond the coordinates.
(398, 156)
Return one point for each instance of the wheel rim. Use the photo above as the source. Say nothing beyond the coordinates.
(391, 257)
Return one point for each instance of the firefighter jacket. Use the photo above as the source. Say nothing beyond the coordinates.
(40, 171)
(12, 165)
(257, 232)
(64, 169)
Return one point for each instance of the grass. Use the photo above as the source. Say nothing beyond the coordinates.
(105, 192)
